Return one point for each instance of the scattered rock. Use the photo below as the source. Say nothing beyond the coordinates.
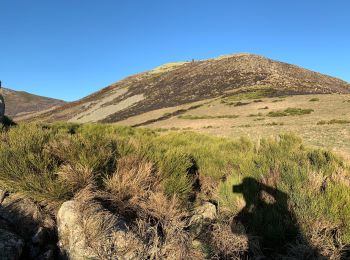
(203, 215)
(207, 211)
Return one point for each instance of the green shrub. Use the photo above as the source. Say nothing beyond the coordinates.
(254, 115)
(314, 99)
(290, 112)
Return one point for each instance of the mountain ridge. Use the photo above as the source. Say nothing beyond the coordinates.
(179, 83)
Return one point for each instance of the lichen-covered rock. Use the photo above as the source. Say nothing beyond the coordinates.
(207, 211)
(71, 234)
(202, 215)
(11, 246)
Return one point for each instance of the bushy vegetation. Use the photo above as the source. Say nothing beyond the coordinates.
(290, 112)
(299, 196)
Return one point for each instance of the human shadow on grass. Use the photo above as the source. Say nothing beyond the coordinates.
(267, 218)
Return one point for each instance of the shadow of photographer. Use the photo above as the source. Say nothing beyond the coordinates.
(268, 219)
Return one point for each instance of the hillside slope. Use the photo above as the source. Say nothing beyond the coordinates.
(185, 82)
(19, 103)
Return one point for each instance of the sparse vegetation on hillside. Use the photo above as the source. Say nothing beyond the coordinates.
(314, 99)
(192, 117)
(290, 112)
(300, 195)
(251, 94)
(334, 121)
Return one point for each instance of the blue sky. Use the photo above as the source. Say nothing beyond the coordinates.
(68, 49)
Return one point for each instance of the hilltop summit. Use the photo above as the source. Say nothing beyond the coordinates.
(179, 83)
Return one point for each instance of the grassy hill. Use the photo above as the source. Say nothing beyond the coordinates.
(182, 83)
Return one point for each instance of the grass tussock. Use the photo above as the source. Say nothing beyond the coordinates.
(153, 181)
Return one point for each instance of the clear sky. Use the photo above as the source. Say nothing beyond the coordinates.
(70, 48)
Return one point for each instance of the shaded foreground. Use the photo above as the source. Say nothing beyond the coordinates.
(107, 192)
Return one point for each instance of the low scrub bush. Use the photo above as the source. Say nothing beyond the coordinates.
(255, 115)
(314, 99)
(274, 123)
(290, 112)
(334, 121)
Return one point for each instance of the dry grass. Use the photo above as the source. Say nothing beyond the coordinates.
(323, 243)
(228, 245)
(102, 229)
(136, 192)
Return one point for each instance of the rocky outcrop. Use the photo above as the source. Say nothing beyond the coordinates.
(26, 231)
(90, 232)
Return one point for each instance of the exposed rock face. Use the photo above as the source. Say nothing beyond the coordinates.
(93, 233)
(11, 246)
